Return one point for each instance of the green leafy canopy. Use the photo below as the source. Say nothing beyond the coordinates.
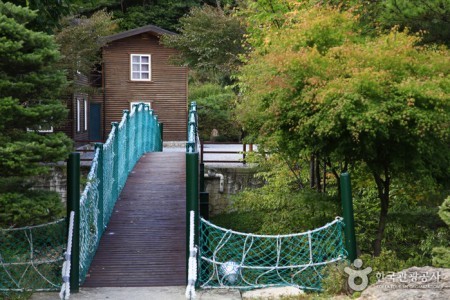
(317, 85)
(30, 87)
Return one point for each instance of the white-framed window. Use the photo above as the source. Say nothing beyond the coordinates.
(140, 67)
(78, 115)
(137, 102)
(85, 115)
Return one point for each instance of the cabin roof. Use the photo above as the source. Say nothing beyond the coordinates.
(144, 29)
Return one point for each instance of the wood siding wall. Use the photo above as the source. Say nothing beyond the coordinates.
(167, 90)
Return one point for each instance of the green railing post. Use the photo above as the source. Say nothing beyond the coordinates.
(115, 126)
(135, 132)
(146, 128)
(347, 208)
(73, 204)
(157, 141)
(139, 129)
(152, 131)
(127, 142)
(192, 201)
(100, 187)
(161, 132)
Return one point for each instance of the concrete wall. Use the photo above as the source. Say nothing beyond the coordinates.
(56, 180)
(235, 179)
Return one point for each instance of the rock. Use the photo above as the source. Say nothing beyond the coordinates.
(272, 293)
(414, 283)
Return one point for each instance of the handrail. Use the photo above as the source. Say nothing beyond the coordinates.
(137, 133)
(192, 183)
(243, 152)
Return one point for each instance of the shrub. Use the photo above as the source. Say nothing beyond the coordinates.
(214, 112)
(29, 208)
(441, 255)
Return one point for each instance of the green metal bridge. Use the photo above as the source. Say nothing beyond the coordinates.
(137, 223)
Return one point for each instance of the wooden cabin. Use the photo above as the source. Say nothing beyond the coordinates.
(135, 68)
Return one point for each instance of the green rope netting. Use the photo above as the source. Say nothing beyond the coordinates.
(137, 133)
(31, 257)
(244, 261)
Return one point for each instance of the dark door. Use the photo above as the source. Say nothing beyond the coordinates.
(95, 116)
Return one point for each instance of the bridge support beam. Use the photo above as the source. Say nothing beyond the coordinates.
(347, 207)
(73, 204)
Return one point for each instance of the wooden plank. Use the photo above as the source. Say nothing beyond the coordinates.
(144, 243)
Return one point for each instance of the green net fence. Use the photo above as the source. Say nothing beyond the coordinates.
(137, 133)
(240, 260)
(31, 257)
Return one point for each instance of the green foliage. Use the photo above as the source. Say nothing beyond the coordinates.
(413, 227)
(215, 103)
(80, 41)
(49, 12)
(163, 14)
(16, 296)
(261, 15)
(385, 263)
(335, 279)
(321, 86)
(441, 255)
(210, 42)
(444, 211)
(283, 206)
(29, 208)
(241, 221)
(429, 17)
(30, 85)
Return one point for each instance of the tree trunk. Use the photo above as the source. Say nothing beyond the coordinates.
(312, 175)
(318, 179)
(336, 176)
(383, 195)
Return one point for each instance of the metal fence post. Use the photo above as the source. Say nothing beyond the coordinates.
(192, 194)
(127, 139)
(147, 128)
(115, 126)
(347, 207)
(161, 132)
(73, 204)
(139, 129)
(100, 219)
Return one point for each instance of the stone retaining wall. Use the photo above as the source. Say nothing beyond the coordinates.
(235, 180)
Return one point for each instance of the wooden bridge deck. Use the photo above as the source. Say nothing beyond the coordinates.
(144, 244)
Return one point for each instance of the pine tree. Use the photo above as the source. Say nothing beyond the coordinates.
(29, 89)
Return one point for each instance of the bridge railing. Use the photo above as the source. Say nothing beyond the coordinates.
(192, 195)
(138, 132)
(232, 259)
